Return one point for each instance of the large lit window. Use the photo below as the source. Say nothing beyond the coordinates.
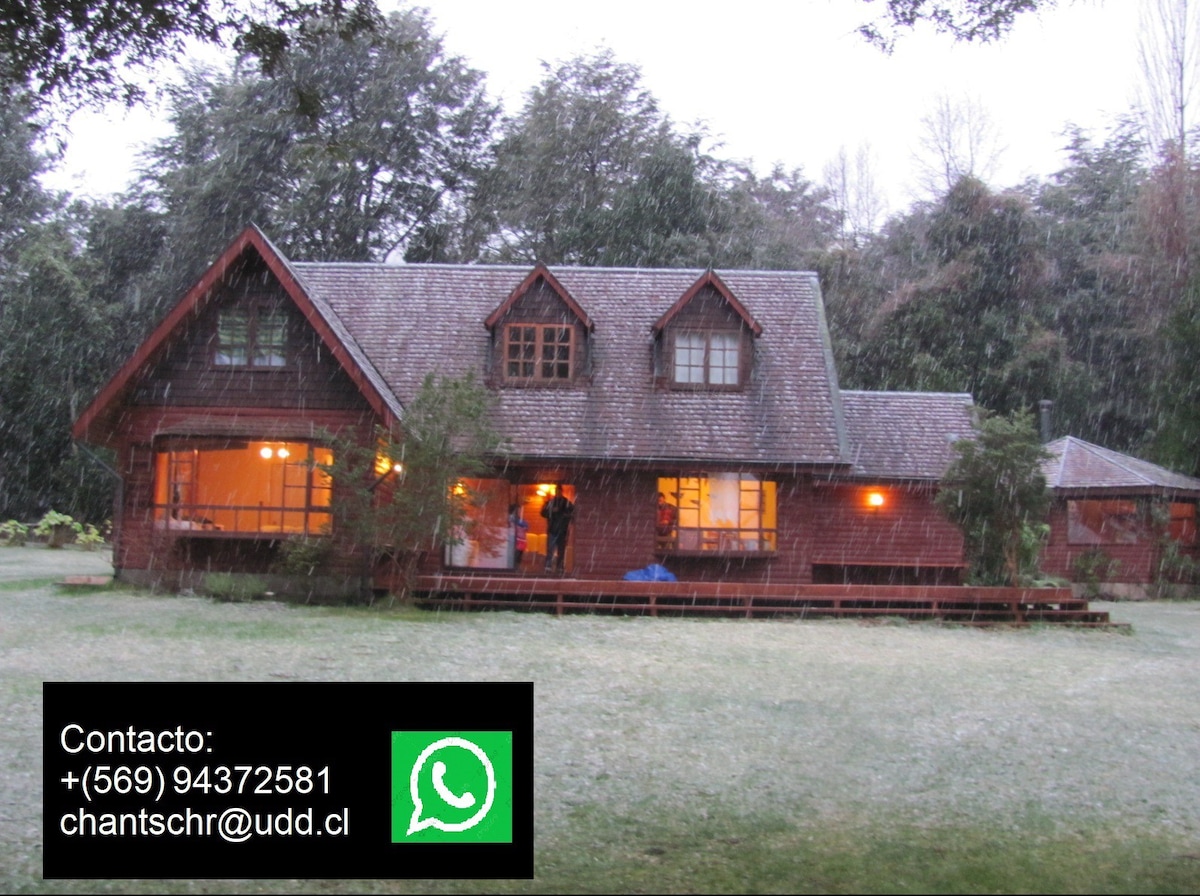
(536, 353)
(254, 336)
(237, 487)
(719, 513)
(483, 538)
(707, 359)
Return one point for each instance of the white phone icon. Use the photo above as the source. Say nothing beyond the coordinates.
(458, 802)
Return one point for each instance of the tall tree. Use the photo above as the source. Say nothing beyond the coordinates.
(967, 322)
(88, 51)
(1087, 214)
(854, 193)
(1169, 53)
(958, 140)
(590, 172)
(1176, 441)
(343, 152)
(54, 351)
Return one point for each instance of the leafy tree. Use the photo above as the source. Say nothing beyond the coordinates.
(995, 493)
(342, 152)
(1087, 214)
(87, 50)
(779, 222)
(966, 322)
(53, 354)
(590, 172)
(395, 498)
(24, 202)
(1177, 436)
(964, 20)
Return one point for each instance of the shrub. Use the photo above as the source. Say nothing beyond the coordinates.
(57, 528)
(90, 538)
(14, 533)
(1178, 573)
(303, 556)
(1091, 568)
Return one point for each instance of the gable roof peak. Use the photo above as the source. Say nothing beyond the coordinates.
(709, 278)
(542, 273)
(251, 240)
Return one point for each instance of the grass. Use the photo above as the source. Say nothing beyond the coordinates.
(662, 852)
(721, 756)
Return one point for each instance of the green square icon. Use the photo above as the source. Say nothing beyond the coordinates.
(452, 787)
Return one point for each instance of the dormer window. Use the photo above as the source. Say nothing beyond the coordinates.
(707, 358)
(539, 334)
(705, 340)
(538, 353)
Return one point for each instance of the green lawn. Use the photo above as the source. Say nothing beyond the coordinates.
(708, 755)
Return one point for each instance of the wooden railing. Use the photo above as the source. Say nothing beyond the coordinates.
(960, 604)
(249, 519)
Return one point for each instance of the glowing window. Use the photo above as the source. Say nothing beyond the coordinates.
(210, 486)
(719, 513)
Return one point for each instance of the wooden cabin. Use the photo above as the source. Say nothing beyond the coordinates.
(1118, 522)
(716, 389)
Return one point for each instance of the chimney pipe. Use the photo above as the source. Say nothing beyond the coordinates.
(1044, 407)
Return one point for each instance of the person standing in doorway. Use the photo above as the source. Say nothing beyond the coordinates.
(558, 512)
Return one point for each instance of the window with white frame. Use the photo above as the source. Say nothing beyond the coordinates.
(707, 358)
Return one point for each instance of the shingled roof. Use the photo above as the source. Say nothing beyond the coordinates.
(1079, 467)
(905, 435)
(410, 320)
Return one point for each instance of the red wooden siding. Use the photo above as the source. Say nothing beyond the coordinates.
(1138, 562)
(186, 375)
(906, 531)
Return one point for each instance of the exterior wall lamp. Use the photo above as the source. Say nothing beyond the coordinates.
(388, 469)
(875, 500)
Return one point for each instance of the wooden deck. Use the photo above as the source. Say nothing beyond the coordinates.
(959, 604)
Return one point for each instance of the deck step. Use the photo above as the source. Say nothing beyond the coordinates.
(960, 605)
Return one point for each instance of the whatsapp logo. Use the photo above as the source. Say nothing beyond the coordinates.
(452, 787)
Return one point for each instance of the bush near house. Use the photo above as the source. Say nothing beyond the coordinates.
(14, 533)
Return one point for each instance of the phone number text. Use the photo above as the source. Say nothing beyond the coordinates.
(145, 780)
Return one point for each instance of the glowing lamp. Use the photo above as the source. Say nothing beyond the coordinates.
(265, 452)
(875, 500)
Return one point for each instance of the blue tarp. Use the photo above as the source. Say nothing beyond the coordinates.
(655, 572)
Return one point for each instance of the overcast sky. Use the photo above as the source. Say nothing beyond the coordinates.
(776, 80)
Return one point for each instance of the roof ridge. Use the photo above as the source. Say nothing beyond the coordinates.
(889, 392)
(507, 265)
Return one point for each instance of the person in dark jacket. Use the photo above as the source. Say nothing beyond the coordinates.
(558, 512)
